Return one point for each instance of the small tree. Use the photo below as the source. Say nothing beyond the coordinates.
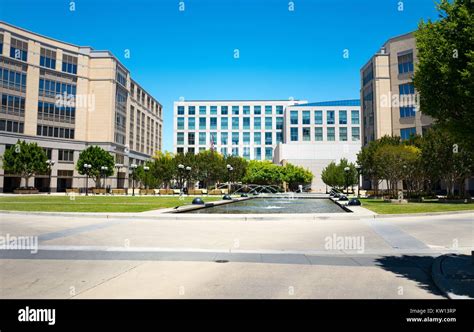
(96, 157)
(263, 172)
(25, 159)
(296, 176)
(163, 168)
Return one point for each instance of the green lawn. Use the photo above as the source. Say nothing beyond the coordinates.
(94, 203)
(381, 207)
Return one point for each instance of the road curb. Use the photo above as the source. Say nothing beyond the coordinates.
(441, 281)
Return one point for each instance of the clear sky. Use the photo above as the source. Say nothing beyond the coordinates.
(190, 53)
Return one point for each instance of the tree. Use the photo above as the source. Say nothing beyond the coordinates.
(163, 168)
(25, 159)
(210, 167)
(263, 172)
(444, 76)
(331, 176)
(96, 157)
(296, 176)
(239, 166)
(335, 176)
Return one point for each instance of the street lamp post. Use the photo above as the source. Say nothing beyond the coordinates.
(359, 169)
(50, 164)
(347, 170)
(181, 168)
(118, 167)
(229, 183)
(133, 167)
(188, 177)
(146, 169)
(87, 168)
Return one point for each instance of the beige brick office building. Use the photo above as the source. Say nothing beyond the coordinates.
(388, 98)
(66, 98)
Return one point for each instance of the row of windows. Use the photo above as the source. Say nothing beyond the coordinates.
(53, 112)
(11, 126)
(235, 121)
(51, 88)
(47, 58)
(235, 138)
(407, 133)
(12, 79)
(318, 134)
(235, 152)
(318, 117)
(14, 105)
(59, 132)
(66, 155)
(406, 89)
(236, 109)
(18, 49)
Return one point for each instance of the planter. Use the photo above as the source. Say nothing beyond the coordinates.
(118, 191)
(147, 192)
(98, 191)
(399, 201)
(25, 191)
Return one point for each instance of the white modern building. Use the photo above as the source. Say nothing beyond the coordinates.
(319, 133)
(248, 128)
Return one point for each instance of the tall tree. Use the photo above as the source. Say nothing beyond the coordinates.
(96, 157)
(444, 76)
(25, 159)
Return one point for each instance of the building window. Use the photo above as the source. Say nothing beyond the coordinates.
(202, 123)
(279, 109)
(257, 123)
(180, 138)
(202, 138)
(407, 133)
(180, 150)
(294, 134)
(257, 110)
(318, 133)
(268, 109)
(235, 110)
(213, 123)
(355, 117)
(180, 110)
(224, 138)
(279, 137)
(1, 43)
(246, 137)
(330, 118)
(268, 139)
(235, 151)
(246, 153)
(13, 80)
(306, 134)
(213, 138)
(268, 123)
(202, 110)
(235, 138)
(18, 49)
(47, 58)
(257, 154)
(306, 117)
(331, 134)
(318, 117)
(191, 138)
(191, 123)
(246, 110)
(406, 89)
(192, 110)
(69, 64)
(58, 132)
(355, 133)
(405, 63)
(191, 150)
(257, 138)
(180, 123)
(246, 123)
(279, 123)
(235, 123)
(268, 153)
(213, 110)
(13, 105)
(66, 155)
(224, 123)
(224, 110)
(224, 152)
(294, 117)
(343, 134)
(342, 117)
(407, 111)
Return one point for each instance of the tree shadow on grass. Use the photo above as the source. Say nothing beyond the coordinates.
(416, 268)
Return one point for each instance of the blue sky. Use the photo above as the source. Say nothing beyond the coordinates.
(190, 53)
